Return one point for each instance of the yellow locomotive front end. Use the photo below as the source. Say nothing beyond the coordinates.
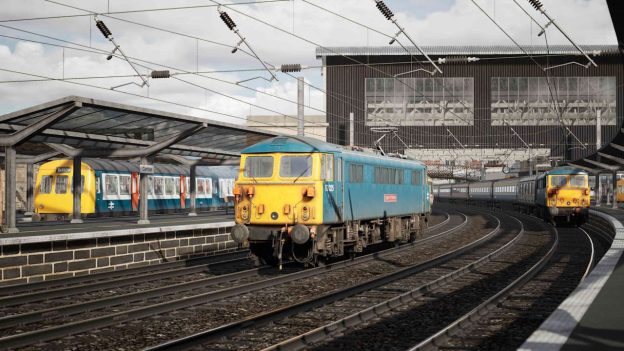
(568, 195)
(278, 193)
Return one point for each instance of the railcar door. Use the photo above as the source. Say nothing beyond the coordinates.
(134, 191)
(182, 192)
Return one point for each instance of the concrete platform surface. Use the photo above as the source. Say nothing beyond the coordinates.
(592, 317)
(32, 232)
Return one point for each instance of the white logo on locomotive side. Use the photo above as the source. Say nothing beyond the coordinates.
(329, 187)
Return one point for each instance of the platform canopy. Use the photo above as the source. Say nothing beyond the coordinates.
(78, 126)
(610, 158)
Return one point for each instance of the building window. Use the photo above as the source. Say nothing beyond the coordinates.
(528, 100)
(420, 101)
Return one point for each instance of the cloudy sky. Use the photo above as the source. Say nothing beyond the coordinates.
(203, 44)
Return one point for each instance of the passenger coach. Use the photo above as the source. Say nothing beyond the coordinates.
(304, 199)
(110, 188)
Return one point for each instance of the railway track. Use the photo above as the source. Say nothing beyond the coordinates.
(353, 304)
(23, 329)
(509, 317)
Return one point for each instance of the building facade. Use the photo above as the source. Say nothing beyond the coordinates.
(490, 105)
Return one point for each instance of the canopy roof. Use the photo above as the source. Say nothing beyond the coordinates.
(95, 128)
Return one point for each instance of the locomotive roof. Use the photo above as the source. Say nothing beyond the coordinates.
(291, 144)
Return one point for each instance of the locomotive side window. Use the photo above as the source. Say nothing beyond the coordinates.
(416, 177)
(327, 167)
(45, 186)
(557, 180)
(578, 180)
(111, 185)
(124, 184)
(259, 166)
(356, 173)
(296, 166)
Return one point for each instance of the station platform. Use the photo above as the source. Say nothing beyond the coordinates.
(592, 317)
(36, 232)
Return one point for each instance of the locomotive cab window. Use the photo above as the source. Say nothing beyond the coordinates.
(296, 166)
(558, 181)
(45, 187)
(258, 167)
(578, 180)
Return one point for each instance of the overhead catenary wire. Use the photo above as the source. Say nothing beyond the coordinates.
(193, 7)
(325, 48)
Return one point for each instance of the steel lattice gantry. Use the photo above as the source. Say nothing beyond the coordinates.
(81, 127)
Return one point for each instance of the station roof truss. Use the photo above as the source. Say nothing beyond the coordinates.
(465, 50)
(78, 126)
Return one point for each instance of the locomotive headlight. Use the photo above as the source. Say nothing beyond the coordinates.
(245, 212)
(305, 213)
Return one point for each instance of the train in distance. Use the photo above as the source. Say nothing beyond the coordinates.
(561, 195)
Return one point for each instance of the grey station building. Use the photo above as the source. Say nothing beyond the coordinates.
(491, 104)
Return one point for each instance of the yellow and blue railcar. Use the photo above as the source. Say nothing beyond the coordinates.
(111, 188)
(305, 199)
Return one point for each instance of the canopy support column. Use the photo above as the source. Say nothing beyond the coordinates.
(614, 192)
(193, 186)
(143, 193)
(30, 189)
(77, 189)
(10, 188)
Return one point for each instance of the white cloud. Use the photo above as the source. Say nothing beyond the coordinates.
(458, 22)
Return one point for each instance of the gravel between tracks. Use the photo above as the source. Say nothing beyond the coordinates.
(169, 326)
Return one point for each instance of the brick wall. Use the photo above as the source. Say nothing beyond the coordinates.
(32, 262)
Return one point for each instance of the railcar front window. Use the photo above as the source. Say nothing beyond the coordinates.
(296, 166)
(45, 187)
(61, 184)
(558, 180)
(259, 167)
(578, 180)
